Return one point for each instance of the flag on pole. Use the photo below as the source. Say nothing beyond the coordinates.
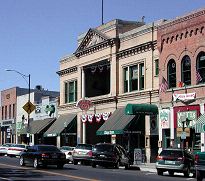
(198, 77)
(164, 85)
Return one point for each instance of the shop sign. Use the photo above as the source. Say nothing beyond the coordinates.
(189, 115)
(84, 104)
(109, 132)
(164, 118)
(183, 97)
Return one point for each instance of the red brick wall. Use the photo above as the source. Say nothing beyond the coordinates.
(182, 36)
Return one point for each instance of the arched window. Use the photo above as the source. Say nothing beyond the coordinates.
(171, 73)
(186, 70)
(200, 62)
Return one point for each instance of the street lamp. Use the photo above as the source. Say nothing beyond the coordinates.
(29, 91)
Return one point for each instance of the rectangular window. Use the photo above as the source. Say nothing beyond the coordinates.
(157, 67)
(13, 110)
(9, 111)
(5, 112)
(126, 79)
(71, 91)
(134, 78)
(2, 113)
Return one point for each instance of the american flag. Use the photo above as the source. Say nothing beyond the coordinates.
(164, 85)
(198, 77)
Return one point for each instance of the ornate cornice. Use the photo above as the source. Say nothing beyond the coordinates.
(137, 49)
(182, 19)
(67, 71)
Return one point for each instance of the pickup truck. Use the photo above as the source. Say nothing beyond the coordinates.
(200, 165)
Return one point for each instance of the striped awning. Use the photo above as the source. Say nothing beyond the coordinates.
(200, 124)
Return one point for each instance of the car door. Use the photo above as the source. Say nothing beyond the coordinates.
(124, 157)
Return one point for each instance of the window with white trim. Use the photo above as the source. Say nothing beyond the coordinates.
(134, 77)
(70, 91)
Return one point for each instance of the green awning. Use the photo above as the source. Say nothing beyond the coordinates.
(200, 124)
(39, 125)
(116, 123)
(148, 109)
(59, 125)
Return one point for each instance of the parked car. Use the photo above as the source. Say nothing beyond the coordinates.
(16, 149)
(107, 154)
(82, 153)
(68, 150)
(42, 155)
(175, 160)
(4, 148)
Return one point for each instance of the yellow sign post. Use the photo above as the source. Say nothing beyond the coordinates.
(29, 107)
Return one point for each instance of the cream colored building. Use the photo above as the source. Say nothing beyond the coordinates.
(113, 65)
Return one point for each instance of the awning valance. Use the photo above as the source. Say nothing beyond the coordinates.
(39, 125)
(200, 124)
(116, 123)
(133, 109)
(59, 125)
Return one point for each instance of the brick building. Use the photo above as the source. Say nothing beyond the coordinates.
(181, 44)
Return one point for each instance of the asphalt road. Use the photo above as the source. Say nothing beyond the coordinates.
(10, 170)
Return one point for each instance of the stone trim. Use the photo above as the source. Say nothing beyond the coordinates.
(67, 71)
(137, 49)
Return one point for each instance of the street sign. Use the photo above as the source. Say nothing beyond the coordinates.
(29, 107)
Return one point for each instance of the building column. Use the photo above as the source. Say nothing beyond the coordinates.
(147, 138)
(83, 96)
(58, 140)
(113, 71)
(172, 126)
(202, 134)
(32, 139)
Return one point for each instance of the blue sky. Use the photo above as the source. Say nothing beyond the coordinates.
(36, 34)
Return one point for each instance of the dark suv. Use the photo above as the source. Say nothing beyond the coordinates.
(107, 154)
(175, 160)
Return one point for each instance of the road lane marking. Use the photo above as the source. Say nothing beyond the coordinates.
(52, 173)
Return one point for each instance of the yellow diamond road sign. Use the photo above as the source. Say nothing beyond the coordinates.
(29, 107)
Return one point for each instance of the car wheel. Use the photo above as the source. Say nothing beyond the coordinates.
(75, 162)
(159, 172)
(93, 165)
(35, 163)
(199, 176)
(21, 161)
(171, 173)
(117, 165)
(60, 166)
(186, 174)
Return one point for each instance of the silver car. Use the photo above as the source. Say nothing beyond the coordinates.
(4, 148)
(82, 153)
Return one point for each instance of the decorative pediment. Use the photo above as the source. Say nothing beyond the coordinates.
(92, 37)
(93, 40)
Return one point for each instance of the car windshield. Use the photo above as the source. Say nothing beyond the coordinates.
(47, 148)
(171, 153)
(84, 146)
(19, 146)
(66, 148)
(103, 147)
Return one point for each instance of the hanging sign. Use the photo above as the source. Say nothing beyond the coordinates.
(183, 97)
(84, 104)
(164, 117)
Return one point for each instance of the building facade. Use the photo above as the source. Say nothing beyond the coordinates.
(181, 44)
(113, 65)
(8, 113)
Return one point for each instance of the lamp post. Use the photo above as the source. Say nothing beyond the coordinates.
(29, 91)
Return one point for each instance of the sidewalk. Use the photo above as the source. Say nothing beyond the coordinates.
(148, 167)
